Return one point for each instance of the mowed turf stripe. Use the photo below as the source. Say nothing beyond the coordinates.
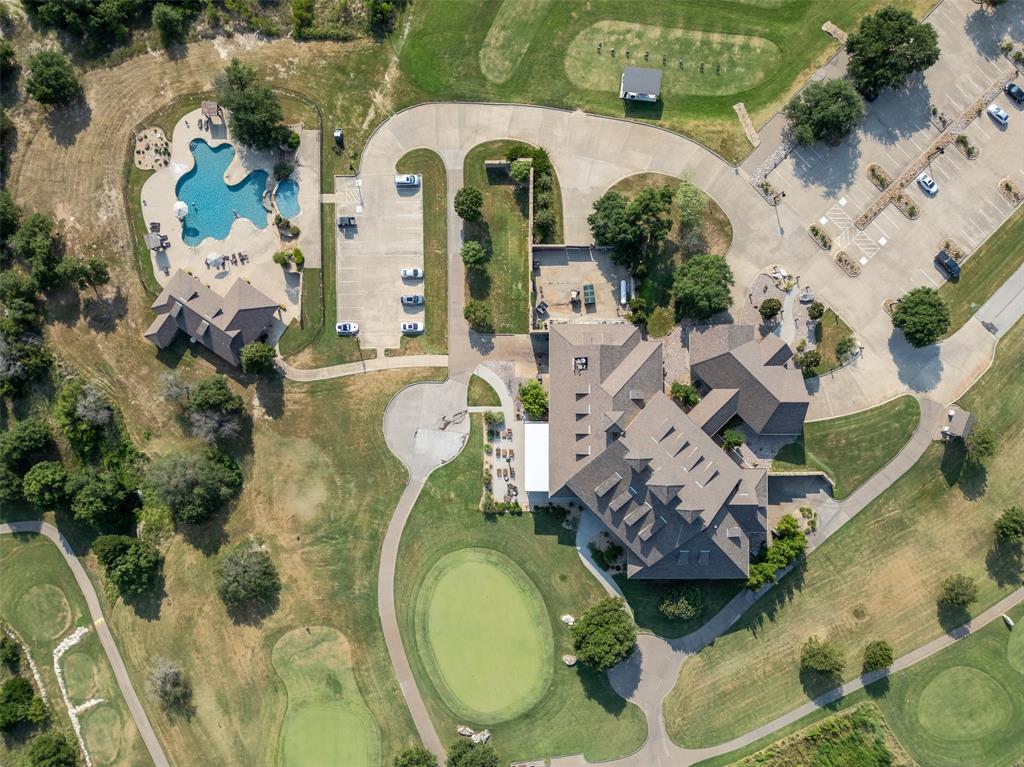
(484, 635)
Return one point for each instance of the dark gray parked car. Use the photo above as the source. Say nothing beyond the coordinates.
(948, 264)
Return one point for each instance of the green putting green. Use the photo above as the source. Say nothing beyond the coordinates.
(731, 63)
(964, 704)
(484, 635)
(104, 732)
(80, 675)
(327, 721)
(43, 612)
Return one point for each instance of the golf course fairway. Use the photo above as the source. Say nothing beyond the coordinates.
(485, 635)
(327, 721)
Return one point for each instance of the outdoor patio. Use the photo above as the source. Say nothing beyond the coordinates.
(246, 251)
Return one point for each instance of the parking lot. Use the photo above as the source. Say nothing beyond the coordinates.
(387, 237)
(830, 186)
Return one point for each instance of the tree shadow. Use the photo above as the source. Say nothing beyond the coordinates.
(817, 683)
(482, 342)
(66, 122)
(879, 688)
(597, 688)
(254, 612)
(270, 393)
(208, 537)
(1004, 563)
(147, 605)
(952, 618)
(643, 110)
(918, 369)
(9, 88)
(959, 470)
(833, 172)
(896, 114)
(102, 313)
(986, 29)
(767, 607)
(64, 306)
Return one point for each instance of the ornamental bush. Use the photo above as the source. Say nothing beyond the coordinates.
(770, 308)
(958, 591)
(258, 357)
(534, 398)
(685, 393)
(788, 544)
(605, 634)
(684, 603)
(821, 657)
(877, 655)
(246, 574)
(51, 79)
(469, 202)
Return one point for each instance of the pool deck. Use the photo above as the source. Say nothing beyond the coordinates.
(158, 198)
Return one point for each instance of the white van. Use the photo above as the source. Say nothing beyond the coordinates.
(623, 293)
(407, 179)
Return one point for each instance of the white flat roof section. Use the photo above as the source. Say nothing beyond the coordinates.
(536, 457)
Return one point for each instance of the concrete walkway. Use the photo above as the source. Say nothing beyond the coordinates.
(366, 366)
(124, 682)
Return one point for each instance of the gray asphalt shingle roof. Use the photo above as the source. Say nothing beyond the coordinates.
(641, 80)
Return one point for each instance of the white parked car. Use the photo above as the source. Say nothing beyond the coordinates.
(347, 328)
(412, 327)
(412, 273)
(998, 114)
(412, 300)
(927, 183)
(407, 179)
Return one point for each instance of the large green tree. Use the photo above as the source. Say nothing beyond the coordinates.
(1010, 525)
(922, 315)
(130, 564)
(478, 315)
(44, 485)
(824, 111)
(605, 634)
(634, 229)
(51, 749)
(877, 655)
(258, 357)
(888, 47)
(474, 255)
(469, 202)
(15, 697)
(194, 486)
(256, 114)
(215, 413)
(701, 286)
(415, 756)
(958, 591)
(51, 79)
(246, 574)
(534, 398)
(822, 657)
(465, 753)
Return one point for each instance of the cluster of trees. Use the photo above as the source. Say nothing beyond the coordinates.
(887, 48)
(922, 315)
(524, 157)
(634, 229)
(789, 543)
(170, 685)
(605, 634)
(1010, 525)
(256, 114)
(534, 398)
(99, 25)
(130, 564)
(246, 576)
(32, 260)
(685, 394)
(19, 703)
(51, 79)
(461, 753)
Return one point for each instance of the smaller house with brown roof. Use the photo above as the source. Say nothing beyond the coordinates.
(223, 324)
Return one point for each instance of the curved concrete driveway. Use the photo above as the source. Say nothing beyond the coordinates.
(124, 682)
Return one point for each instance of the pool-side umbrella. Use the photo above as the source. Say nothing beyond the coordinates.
(214, 259)
(180, 209)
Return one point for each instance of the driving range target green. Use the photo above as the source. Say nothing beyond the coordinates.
(484, 635)
(731, 63)
(964, 704)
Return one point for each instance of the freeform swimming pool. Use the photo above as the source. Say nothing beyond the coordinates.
(287, 198)
(213, 206)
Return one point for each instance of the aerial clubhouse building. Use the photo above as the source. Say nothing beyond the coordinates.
(663, 487)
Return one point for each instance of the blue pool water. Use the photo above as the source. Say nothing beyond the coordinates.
(288, 198)
(211, 202)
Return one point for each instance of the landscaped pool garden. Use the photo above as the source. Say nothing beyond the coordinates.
(213, 205)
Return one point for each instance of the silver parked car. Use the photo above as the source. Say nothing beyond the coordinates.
(412, 273)
(412, 327)
(412, 300)
(407, 179)
(347, 328)
(998, 114)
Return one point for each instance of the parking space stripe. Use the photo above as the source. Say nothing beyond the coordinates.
(929, 278)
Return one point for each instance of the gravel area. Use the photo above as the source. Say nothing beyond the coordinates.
(758, 452)
(766, 286)
(675, 356)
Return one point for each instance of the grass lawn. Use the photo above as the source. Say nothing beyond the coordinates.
(645, 597)
(715, 237)
(504, 282)
(481, 393)
(829, 331)
(899, 700)
(853, 447)
(483, 634)
(579, 711)
(541, 52)
(877, 578)
(858, 737)
(429, 164)
(990, 266)
(327, 720)
(42, 602)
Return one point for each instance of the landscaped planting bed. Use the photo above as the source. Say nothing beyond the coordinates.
(906, 206)
(820, 237)
(879, 177)
(967, 149)
(847, 264)
(1011, 192)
